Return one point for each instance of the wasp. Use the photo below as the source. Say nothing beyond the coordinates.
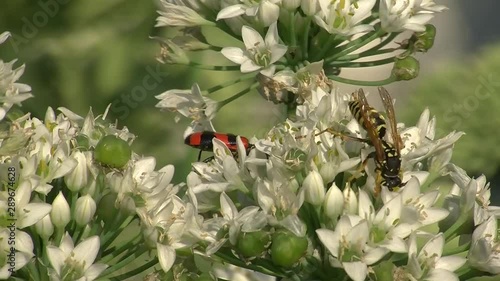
(387, 155)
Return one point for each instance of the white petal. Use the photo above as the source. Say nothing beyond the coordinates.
(251, 38)
(87, 250)
(234, 54)
(95, 270)
(227, 207)
(450, 263)
(356, 270)
(32, 213)
(166, 256)
(441, 275)
(231, 12)
(330, 240)
(277, 52)
(56, 258)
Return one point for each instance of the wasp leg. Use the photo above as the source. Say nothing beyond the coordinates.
(378, 183)
(199, 155)
(361, 168)
(208, 159)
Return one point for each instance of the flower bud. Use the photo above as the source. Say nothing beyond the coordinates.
(334, 202)
(425, 40)
(310, 7)
(350, 201)
(44, 227)
(268, 13)
(314, 189)
(60, 213)
(77, 178)
(290, 5)
(406, 68)
(84, 210)
(180, 15)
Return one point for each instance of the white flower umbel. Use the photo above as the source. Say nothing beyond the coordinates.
(75, 263)
(344, 17)
(259, 53)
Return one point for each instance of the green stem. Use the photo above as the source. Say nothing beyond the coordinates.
(128, 259)
(238, 95)
(112, 253)
(456, 250)
(293, 36)
(327, 46)
(238, 262)
(136, 271)
(354, 45)
(352, 57)
(458, 223)
(305, 40)
(33, 271)
(231, 82)
(214, 67)
(362, 83)
(364, 63)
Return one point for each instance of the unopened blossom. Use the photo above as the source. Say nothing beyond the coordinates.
(334, 202)
(60, 214)
(44, 227)
(344, 17)
(79, 176)
(84, 210)
(76, 263)
(259, 53)
(314, 188)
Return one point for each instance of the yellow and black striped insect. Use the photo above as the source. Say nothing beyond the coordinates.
(387, 155)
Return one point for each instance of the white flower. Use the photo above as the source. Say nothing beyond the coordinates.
(397, 16)
(189, 103)
(386, 225)
(266, 10)
(349, 248)
(344, 17)
(484, 254)
(177, 15)
(27, 213)
(258, 53)
(248, 219)
(77, 262)
(428, 263)
(18, 258)
(11, 92)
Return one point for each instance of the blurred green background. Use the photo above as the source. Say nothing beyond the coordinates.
(82, 54)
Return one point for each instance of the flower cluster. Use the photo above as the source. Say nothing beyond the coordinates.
(276, 41)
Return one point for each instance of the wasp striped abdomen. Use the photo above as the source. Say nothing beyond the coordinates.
(376, 118)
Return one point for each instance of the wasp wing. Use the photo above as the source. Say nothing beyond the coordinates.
(368, 125)
(389, 109)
